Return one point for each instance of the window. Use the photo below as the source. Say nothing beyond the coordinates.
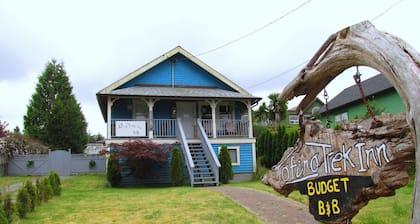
(340, 118)
(234, 155)
(293, 119)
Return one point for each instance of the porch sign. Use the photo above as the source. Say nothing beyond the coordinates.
(130, 128)
(340, 170)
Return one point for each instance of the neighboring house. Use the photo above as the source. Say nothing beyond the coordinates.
(312, 111)
(348, 104)
(178, 99)
(94, 148)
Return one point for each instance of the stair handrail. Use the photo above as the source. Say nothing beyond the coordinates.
(208, 149)
(185, 149)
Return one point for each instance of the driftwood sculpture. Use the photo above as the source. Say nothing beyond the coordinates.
(365, 162)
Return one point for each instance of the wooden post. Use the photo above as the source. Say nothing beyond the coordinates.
(362, 44)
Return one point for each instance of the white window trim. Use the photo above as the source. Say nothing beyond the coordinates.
(237, 148)
(293, 121)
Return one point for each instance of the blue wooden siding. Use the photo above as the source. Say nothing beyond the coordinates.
(245, 156)
(186, 73)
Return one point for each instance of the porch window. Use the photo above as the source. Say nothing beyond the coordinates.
(234, 155)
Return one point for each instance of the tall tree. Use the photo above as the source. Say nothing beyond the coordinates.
(53, 115)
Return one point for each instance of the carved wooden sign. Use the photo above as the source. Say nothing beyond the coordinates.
(340, 170)
(359, 44)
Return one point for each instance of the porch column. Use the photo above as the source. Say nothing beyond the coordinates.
(108, 116)
(249, 106)
(150, 104)
(213, 105)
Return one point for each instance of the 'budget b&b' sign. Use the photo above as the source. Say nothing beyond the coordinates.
(340, 170)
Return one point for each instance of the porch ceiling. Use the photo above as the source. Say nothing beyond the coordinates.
(174, 92)
(179, 92)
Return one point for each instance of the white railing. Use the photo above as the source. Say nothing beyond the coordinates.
(208, 150)
(237, 128)
(164, 128)
(207, 126)
(226, 127)
(185, 149)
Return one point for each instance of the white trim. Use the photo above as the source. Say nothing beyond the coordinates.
(254, 158)
(238, 154)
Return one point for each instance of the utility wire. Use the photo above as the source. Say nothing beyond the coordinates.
(254, 31)
(386, 10)
(301, 64)
(279, 75)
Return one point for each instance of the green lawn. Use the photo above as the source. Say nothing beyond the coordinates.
(395, 209)
(86, 199)
(7, 181)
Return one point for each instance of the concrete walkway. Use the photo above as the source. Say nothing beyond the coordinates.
(268, 207)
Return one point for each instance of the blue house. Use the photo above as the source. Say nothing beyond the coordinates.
(178, 99)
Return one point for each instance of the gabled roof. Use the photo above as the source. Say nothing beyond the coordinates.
(374, 85)
(164, 92)
(176, 50)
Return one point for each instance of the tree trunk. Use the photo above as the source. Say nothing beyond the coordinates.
(362, 44)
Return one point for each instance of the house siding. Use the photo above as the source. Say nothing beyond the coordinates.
(186, 73)
(389, 100)
(245, 157)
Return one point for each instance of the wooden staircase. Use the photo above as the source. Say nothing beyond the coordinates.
(203, 175)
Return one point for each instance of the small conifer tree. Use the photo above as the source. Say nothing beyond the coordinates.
(55, 182)
(9, 208)
(226, 171)
(113, 171)
(47, 191)
(177, 173)
(32, 194)
(23, 202)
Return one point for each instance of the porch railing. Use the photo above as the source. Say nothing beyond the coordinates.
(208, 150)
(226, 127)
(185, 149)
(166, 128)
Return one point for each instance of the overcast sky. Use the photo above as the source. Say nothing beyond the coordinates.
(101, 41)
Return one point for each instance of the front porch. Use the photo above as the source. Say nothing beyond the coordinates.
(158, 118)
(166, 128)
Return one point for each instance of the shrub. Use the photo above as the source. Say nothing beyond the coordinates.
(23, 202)
(226, 172)
(9, 208)
(141, 156)
(46, 190)
(55, 182)
(92, 164)
(113, 174)
(33, 195)
(39, 191)
(177, 172)
(3, 218)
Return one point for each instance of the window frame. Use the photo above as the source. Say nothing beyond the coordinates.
(238, 154)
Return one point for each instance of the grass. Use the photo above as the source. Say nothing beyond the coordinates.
(86, 199)
(395, 209)
(7, 181)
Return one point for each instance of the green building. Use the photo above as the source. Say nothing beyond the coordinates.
(348, 104)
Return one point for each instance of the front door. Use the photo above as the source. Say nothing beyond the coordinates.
(186, 112)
